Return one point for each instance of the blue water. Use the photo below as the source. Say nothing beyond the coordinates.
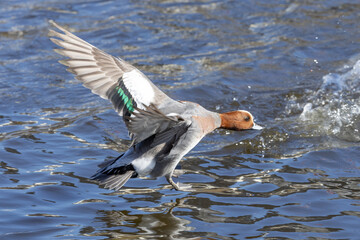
(294, 64)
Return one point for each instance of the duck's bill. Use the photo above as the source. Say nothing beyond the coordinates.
(256, 127)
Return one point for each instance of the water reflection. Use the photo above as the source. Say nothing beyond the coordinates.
(265, 200)
(121, 224)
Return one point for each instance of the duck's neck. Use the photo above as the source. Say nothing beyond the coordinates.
(209, 122)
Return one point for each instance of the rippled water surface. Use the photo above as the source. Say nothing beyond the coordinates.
(294, 64)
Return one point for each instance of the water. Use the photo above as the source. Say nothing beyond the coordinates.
(293, 64)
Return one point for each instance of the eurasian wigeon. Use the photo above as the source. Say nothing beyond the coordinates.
(162, 130)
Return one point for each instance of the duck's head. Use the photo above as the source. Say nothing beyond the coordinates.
(238, 120)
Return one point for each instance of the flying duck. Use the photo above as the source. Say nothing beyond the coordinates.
(162, 130)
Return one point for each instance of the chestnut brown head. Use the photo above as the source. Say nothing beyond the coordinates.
(238, 120)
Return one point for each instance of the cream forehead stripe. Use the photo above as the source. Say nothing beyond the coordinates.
(139, 87)
(246, 112)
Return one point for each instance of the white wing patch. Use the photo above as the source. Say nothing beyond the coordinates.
(139, 87)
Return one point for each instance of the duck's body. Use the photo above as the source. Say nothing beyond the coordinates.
(159, 154)
(163, 130)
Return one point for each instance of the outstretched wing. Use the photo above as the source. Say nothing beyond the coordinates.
(109, 77)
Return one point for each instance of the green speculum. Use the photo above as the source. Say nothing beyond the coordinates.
(126, 100)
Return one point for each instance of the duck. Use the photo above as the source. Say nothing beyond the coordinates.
(162, 130)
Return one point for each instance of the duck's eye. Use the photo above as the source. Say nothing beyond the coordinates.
(247, 118)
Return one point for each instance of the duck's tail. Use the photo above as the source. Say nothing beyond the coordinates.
(113, 181)
(114, 178)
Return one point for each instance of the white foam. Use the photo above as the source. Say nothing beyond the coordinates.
(334, 109)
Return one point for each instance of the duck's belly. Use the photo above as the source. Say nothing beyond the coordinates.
(144, 165)
(143, 158)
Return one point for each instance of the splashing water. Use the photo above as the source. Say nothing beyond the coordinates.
(335, 107)
(326, 118)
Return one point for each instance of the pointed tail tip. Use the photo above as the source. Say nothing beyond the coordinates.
(112, 181)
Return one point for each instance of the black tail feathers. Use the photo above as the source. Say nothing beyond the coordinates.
(114, 177)
(113, 181)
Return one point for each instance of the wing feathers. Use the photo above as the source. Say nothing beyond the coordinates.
(70, 45)
(116, 80)
(102, 89)
(74, 63)
(91, 76)
(85, 69)
(74, 54)
(68, 36)
(146, 123)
